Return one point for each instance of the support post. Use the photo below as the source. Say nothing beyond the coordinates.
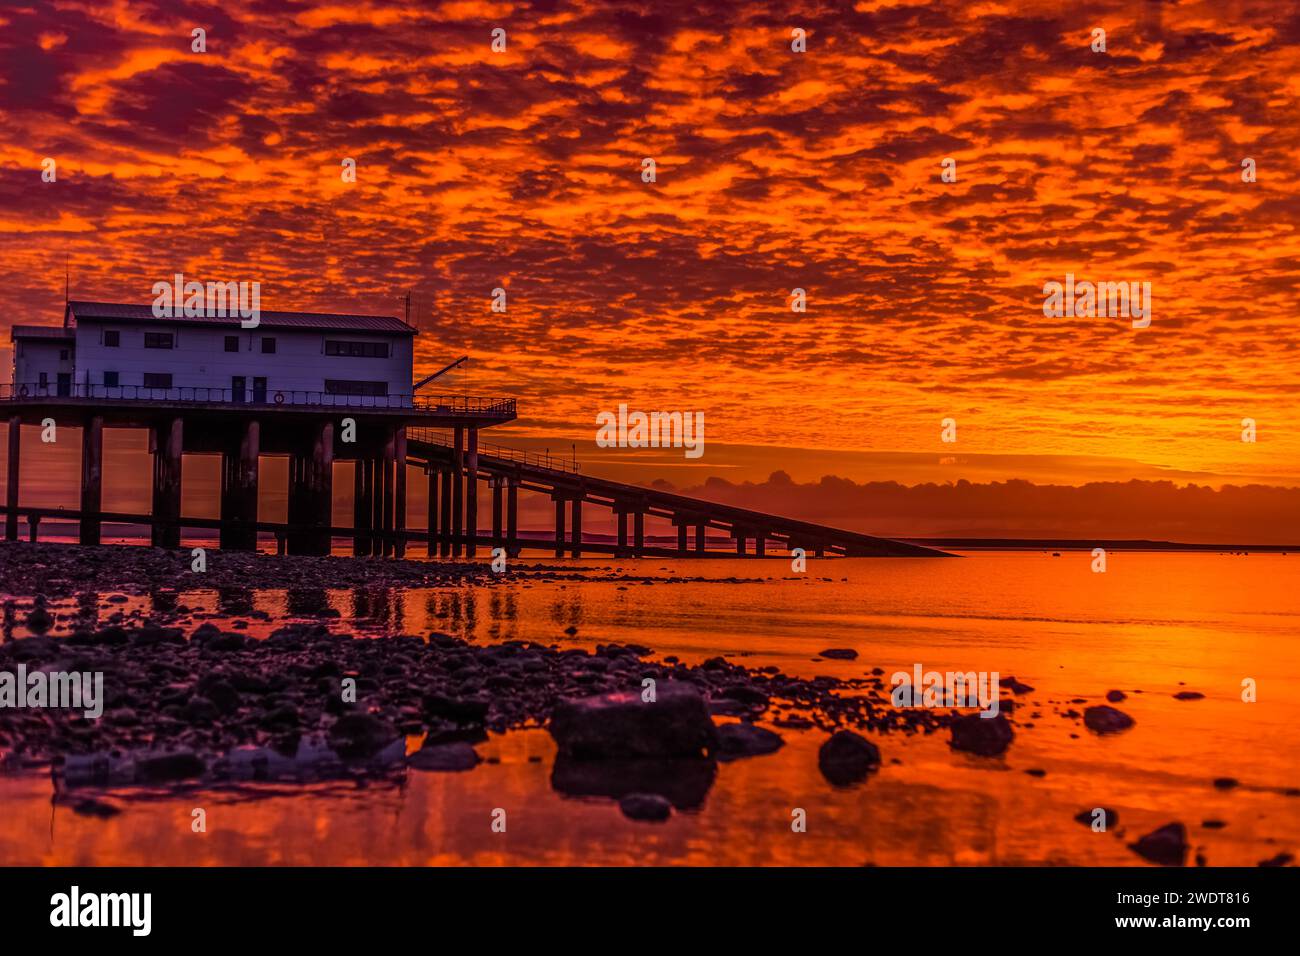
(638, 534)
(457, 490)
(363, 505)
(399, 500)
(165, 526)
(390, 490)
(760, 544)
(621, 550)
(576, 535)
(11, 488)
(496, 511)
(471, 493)
(447, 507)
(92, 478)
(559, 527)
(683, 534)
(739, 535)
(432, 475)
(512, 517)
(239, 476)
(700, 537)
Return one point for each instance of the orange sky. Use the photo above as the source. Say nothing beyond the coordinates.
(775, 170)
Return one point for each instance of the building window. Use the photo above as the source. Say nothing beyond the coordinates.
(112, 338)
(157, 379)
(268, 345)
(158, 340)
(232, 343)
(339, 386)
(110, 379)
(356, 349)
(63, 355)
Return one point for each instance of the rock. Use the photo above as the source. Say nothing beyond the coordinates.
(646, 806)
(463, 710)
(200, 710)
(1213, 824)
(453, 756)
(1225, 783)
(846, 758)
(986, 736)
(166, 768)
(1282, 859)
(839, 654)
(1166, 846)
(1189, 695)
(621, 724)
(1015, 686)
(360, 735)
(1115, 696)
(746, 740)
(1109, 818)
(1106, 720)
(39, 619)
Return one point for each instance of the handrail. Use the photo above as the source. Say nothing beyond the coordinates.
(447, 404)
(530, 459)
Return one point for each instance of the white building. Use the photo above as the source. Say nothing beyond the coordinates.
(122, 351)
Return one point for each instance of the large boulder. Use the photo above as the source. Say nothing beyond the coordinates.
(1166, 846)
(986, 736)
(1106, 720)
(846, 758)
(621, 724)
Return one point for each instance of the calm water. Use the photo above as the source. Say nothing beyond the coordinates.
(1155, 623)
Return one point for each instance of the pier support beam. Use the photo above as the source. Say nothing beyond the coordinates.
(471, 492)
(399, 496)
(92, 478)
(446, 507)
(496, 484)
(683, 536)
(701, 536)
(512, 517)
(575, 537)
(621, 550)
(431, 474)
(739, 535)
(559, 527)
(11, 488)
(388, 470)
(239, 476)
(760, 544)
(169, 438)
(311, 493)
(457, 490)
(363, 505)
(638, 534)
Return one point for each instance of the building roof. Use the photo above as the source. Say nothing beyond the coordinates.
(55, 332)
(311, 321)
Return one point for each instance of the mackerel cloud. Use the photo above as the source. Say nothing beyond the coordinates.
(775, 171)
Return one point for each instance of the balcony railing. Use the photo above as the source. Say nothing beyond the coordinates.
(272, 397)
(531, 459)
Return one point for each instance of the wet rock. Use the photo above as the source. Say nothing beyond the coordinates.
(1189, 695)
(446, 757)
(169, 767)
(1115, 696)
(1282, 859)
(1106, 720)
(746, 740)
(200, 710)
(621, 724)
(1226, 783)
(1166, 846)
(356, 736)
(846, 758)
(839, 654)
(1015, 686)
(645, 806)
(986, 736)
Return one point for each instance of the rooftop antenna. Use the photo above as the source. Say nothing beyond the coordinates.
(67, 277)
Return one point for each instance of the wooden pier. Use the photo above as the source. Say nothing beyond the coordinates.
(384, 437)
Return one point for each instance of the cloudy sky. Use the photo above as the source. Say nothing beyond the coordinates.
(775, 170)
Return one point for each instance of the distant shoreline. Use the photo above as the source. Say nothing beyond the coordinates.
(1087, 544)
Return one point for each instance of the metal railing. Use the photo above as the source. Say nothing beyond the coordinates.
(444, 404)
(530, 458)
